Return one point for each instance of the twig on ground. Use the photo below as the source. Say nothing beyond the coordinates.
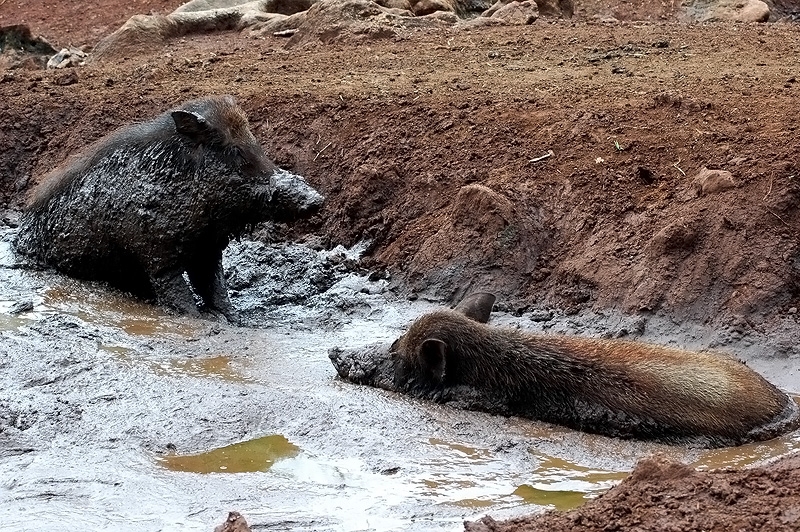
(679, 168)
(776, 216)
(322, 150)
(542, 157)
(770, 188)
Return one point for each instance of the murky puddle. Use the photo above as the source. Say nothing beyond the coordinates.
(751, 453)
(101, 307)
(564, 485)
(245, 457)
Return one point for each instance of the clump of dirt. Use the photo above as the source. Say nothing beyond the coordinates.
(661, 495)
(234, 523)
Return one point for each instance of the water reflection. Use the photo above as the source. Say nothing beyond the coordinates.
(750, 453)
(565, 485)
(101, 307)
(245, 457)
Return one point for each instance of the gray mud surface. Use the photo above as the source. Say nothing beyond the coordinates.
(97, 389)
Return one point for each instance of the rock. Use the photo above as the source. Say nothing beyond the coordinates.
(68, 57)
(426, 7)
(462, 8)
(234, 523)
(150, 32)
(712, 181)
(335, 20)
(514, 13)
(727, 10)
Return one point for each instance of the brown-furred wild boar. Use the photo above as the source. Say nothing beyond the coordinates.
(152, 201)
(613, 387)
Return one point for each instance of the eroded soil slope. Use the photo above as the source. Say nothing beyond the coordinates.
(424, 144)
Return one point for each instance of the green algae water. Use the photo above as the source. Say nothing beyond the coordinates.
(250, 456)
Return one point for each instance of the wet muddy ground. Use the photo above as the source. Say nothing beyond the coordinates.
(117, 415)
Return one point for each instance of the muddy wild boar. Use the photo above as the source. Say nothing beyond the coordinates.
(153, 201)
(617, 388)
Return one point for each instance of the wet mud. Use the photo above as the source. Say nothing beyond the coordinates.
(116, 414)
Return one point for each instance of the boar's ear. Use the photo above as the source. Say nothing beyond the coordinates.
(477, 306)
(191, 125)
(433, 357)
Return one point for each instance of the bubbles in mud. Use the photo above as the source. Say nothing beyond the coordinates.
(246, 457)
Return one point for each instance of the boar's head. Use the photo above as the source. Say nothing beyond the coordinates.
(244, 183)
(427, 357)
(292, 197)
(424, 359)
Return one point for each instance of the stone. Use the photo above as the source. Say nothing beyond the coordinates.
(712, 181)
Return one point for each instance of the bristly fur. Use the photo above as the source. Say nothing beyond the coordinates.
(152, 201)
(613, 387)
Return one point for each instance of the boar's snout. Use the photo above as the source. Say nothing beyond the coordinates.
(369, 365)
(293, 197)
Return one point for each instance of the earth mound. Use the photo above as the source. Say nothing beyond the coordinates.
(661, 495)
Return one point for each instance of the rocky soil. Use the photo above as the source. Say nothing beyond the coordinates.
(621, 160)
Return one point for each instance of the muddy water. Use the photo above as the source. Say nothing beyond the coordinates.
(115, 415)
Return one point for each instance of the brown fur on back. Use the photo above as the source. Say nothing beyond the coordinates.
(219, 110)
(684, 393)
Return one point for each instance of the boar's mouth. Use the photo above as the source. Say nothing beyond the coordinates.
(371, 365)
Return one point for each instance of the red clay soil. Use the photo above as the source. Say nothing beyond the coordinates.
(77, 24)
(663, 496)
(427, 144)
(552, 164)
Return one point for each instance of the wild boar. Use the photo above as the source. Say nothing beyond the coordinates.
(617, 388)
(153, 201)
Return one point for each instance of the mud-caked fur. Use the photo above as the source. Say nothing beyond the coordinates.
(612, 387)
(152, 201)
